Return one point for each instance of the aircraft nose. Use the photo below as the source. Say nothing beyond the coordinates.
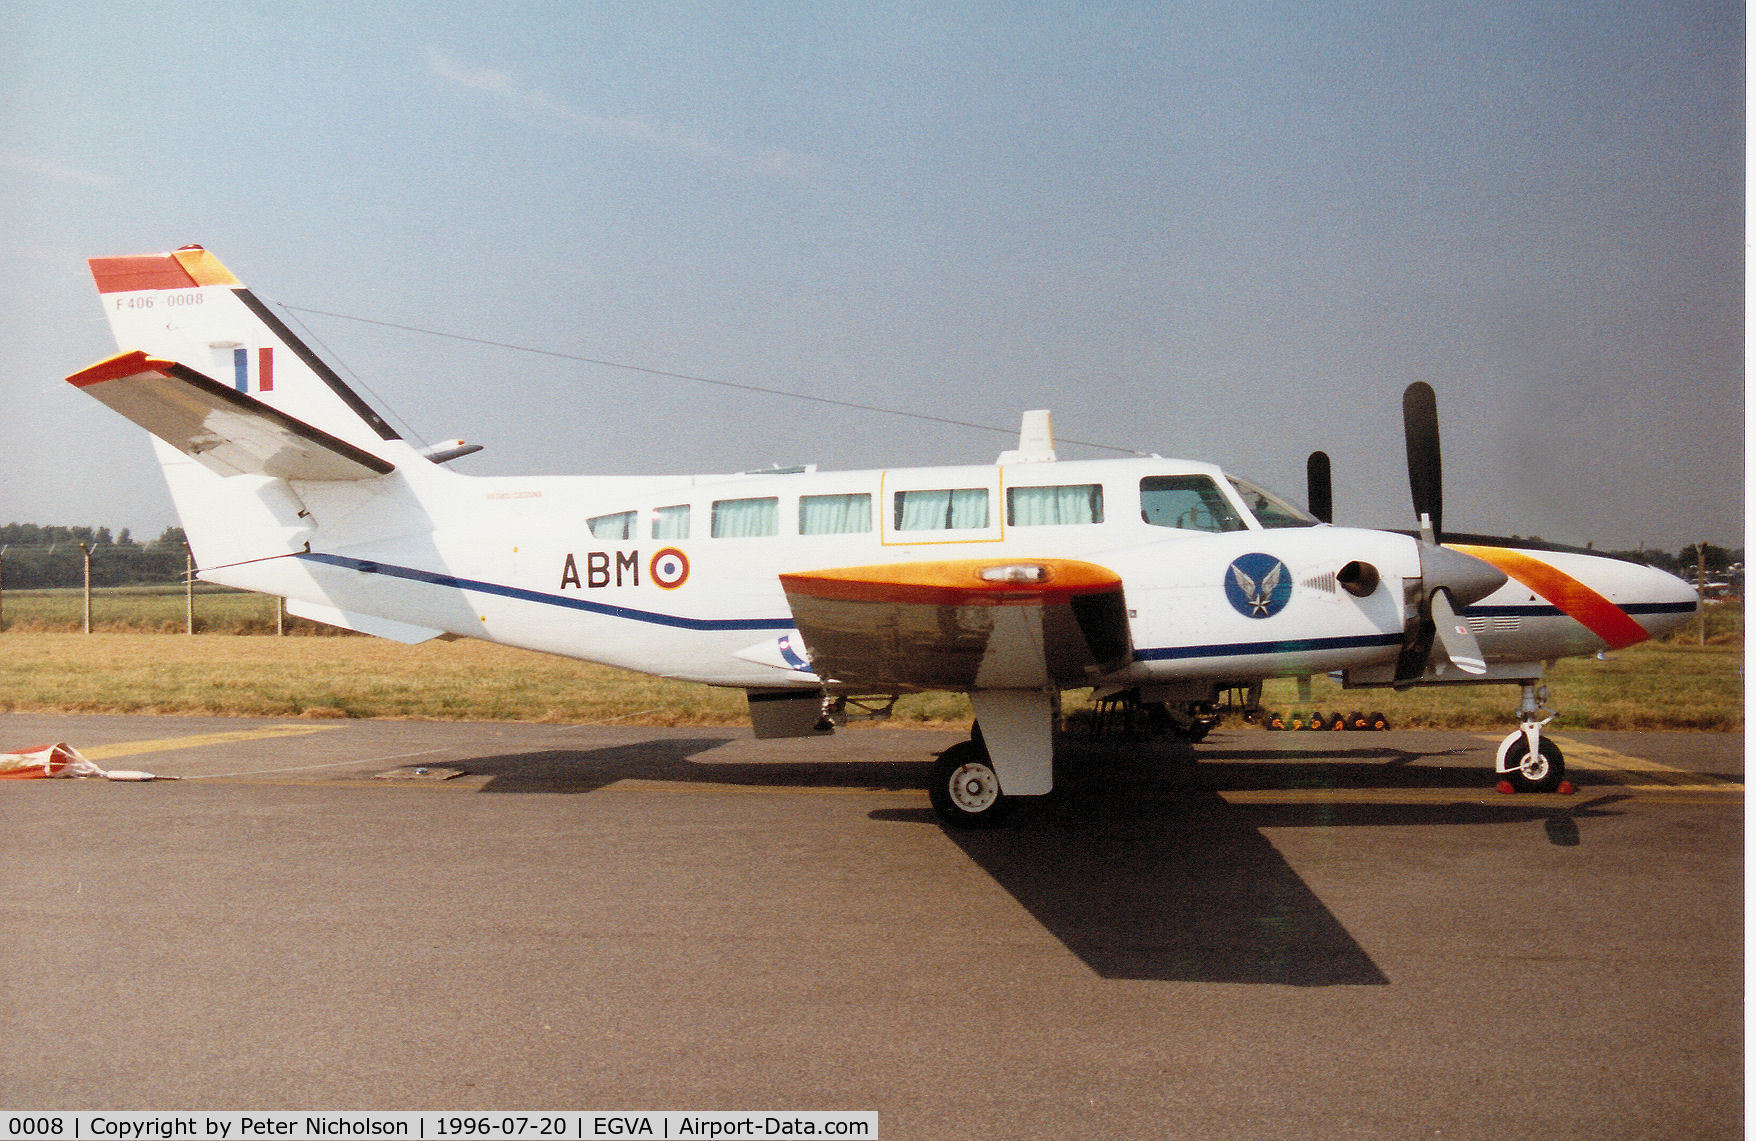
(1669, 602)
(1466, 578)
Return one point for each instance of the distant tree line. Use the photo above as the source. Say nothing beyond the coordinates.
(34, 556)
(1721, 564)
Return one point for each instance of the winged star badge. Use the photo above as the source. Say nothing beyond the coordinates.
(1258, 594)
(1258, 585)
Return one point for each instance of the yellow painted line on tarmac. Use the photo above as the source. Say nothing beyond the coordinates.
(1401, 796)
(170, 744)
(642, 784)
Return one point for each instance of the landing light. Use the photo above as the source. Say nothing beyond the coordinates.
(1016, 572)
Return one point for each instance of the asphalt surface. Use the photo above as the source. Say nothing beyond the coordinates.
(1271, 935)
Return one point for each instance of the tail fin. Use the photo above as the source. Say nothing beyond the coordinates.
(260, 442)
(185, 307)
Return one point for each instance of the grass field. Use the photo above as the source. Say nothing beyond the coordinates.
(1678, 685)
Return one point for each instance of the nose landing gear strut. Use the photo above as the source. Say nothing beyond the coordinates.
(1528, 761)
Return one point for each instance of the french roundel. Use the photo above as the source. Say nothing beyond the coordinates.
(669, 568)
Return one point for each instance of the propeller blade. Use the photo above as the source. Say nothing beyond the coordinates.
(1317, 487)
(1454, 636)
(1420, 429)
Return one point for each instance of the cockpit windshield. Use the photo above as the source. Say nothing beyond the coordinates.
(1188, 502)
(1270, 509)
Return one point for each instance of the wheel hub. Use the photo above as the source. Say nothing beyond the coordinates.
(974, 787)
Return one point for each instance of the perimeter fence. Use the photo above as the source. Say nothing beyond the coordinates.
(169, 608)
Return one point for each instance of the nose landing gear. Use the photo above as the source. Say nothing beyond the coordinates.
(1527, 761)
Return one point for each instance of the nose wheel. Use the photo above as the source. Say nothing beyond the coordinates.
(1527, 760)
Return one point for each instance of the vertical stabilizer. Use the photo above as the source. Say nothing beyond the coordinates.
(186, 307)
(262, 445)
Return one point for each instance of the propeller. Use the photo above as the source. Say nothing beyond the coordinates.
(1420, 433)
(1317, 487)
(1448, 578)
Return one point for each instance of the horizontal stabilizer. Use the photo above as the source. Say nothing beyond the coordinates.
(227, 431)
(387, 628)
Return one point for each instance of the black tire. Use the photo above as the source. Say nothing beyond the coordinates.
(1356, 721)
(1378, 722)
(965, 789)
(1543, 773)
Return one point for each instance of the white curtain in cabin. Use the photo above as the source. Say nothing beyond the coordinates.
(1050, 506)
(835, 514)
(942, 509)
(617, 526)
(671, 522)
(745, 518)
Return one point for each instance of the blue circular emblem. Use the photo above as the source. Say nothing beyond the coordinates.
(1258, 586)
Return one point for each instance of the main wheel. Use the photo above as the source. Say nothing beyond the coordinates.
(965, 789)
(1541, 773)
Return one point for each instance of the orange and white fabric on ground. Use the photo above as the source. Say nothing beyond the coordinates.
(59, 760)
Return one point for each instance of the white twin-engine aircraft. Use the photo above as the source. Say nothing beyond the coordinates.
(826, 594)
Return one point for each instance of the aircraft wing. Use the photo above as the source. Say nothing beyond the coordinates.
(961, 624)
(227, 431)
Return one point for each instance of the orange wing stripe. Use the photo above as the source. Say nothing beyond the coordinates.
(953, 582)
(117, 367)
(1572, 597)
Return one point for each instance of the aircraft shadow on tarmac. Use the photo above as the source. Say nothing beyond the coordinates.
(1136, 863)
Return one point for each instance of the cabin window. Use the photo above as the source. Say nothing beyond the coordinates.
(671, 522)
(835, 514)
(1188, 502)
(745, 518)
(1051, 506)
(949, 509)
(617, 526)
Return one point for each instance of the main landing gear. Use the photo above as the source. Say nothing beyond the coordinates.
(1528, 761)
(965, 789)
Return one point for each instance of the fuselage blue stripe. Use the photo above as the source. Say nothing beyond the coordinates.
(369, 566)
(1539, 610)
(1287, 646)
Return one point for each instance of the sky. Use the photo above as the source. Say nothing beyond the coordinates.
(1231, 233)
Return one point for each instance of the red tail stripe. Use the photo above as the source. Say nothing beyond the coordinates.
(137, 272)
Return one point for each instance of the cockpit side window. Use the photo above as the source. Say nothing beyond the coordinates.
(1188, 502)
(1270, 509)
